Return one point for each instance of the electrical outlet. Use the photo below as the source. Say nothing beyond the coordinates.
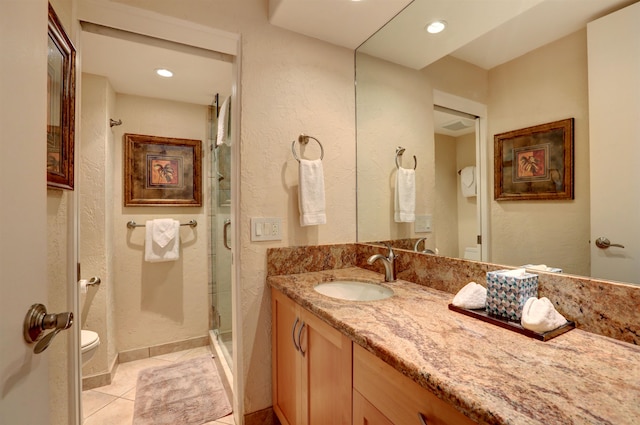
(266, 229)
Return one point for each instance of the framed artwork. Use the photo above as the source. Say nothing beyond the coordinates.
(61, 77)
(162, 171)
(534, 162)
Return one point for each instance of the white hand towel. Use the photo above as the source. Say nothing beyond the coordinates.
(468, 181)
(311, 193)
(472, 296)
(223, 122)
(539, 315)
(405, 196)
(162, 240)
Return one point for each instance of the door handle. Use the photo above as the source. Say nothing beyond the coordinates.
(37, 321)
(293, 334)
(225, 233)
(604, 243)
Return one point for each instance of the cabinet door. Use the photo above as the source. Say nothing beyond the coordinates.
(326, 378)
(365, 413)
(286, 361)
(397, 397)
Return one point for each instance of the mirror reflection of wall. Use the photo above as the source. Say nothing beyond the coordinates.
(456, 183)
(541, 85)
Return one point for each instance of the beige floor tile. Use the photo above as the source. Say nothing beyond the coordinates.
(130, 395)
(120, 412)
(92, 401)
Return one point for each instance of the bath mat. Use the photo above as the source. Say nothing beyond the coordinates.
(186, 393)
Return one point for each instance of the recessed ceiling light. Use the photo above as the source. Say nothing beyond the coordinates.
(164, 72)
(436, 26)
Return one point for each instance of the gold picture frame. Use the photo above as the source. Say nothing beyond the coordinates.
(535, 163)
(162, 171)
(61, 77)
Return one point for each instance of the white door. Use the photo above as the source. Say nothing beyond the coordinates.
(614, 138)
(24, 388)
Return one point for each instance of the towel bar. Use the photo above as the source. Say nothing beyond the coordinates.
(132, 224)
(303, 140)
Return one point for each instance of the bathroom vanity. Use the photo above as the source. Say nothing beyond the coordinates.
(408, 358)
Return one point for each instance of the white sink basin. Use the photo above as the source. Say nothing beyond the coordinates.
(353, 291)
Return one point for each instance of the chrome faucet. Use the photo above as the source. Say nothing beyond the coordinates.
(426, 250)
(388, 262)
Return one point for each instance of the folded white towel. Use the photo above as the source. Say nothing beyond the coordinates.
(311, 193)
(468, 181)
(223, 123)
(405, 196)
(162, 240)
(472, 296)
(539, 315)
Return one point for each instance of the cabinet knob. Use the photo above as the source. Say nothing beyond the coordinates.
(423, 420)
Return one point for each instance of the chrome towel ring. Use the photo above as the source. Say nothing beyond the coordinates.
(303, 140)
(399, 151)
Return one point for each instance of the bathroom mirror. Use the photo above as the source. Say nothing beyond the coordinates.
(396, 79)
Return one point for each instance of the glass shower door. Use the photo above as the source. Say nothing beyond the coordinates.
(221, 246)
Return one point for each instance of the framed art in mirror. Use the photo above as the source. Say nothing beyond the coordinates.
(162, 171)
(61, 77)
(535, 162)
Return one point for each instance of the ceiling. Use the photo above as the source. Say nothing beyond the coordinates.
(482, 32)
(129, 62)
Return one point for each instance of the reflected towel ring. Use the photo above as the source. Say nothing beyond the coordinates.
(399, 151)
(303, 140)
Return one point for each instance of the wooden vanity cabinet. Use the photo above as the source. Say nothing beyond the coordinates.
(388, 397)
(311, 367)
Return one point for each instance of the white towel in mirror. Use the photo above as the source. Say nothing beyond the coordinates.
(468, 181)
(405, 196)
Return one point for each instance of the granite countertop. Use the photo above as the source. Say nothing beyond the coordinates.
(492, 375)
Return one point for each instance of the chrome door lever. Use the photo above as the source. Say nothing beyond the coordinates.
(37, 321)
(604, 243)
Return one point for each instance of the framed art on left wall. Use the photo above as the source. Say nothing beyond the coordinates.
(61, 77)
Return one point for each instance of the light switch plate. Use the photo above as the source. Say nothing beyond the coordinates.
(266, 229)
(423, 224)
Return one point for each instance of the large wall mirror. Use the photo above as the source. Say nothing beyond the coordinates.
(497, 67)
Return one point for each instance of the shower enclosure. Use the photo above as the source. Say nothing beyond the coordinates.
(220, 259)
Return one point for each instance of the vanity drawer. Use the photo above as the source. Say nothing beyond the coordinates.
(397, 397)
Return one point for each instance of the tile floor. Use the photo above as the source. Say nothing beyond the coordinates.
(113, 404)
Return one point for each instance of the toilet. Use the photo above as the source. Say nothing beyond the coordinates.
(89, 342)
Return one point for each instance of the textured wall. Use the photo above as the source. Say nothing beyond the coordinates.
(157, 303)
(96, 174)
(546, 85)
(291, 84)
(395, 108)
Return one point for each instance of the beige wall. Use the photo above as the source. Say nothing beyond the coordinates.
(546, 85)
(157, 303)
(96, 249)
(394, 107)
(291, 84)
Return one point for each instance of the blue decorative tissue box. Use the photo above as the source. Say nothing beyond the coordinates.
(507, 293)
